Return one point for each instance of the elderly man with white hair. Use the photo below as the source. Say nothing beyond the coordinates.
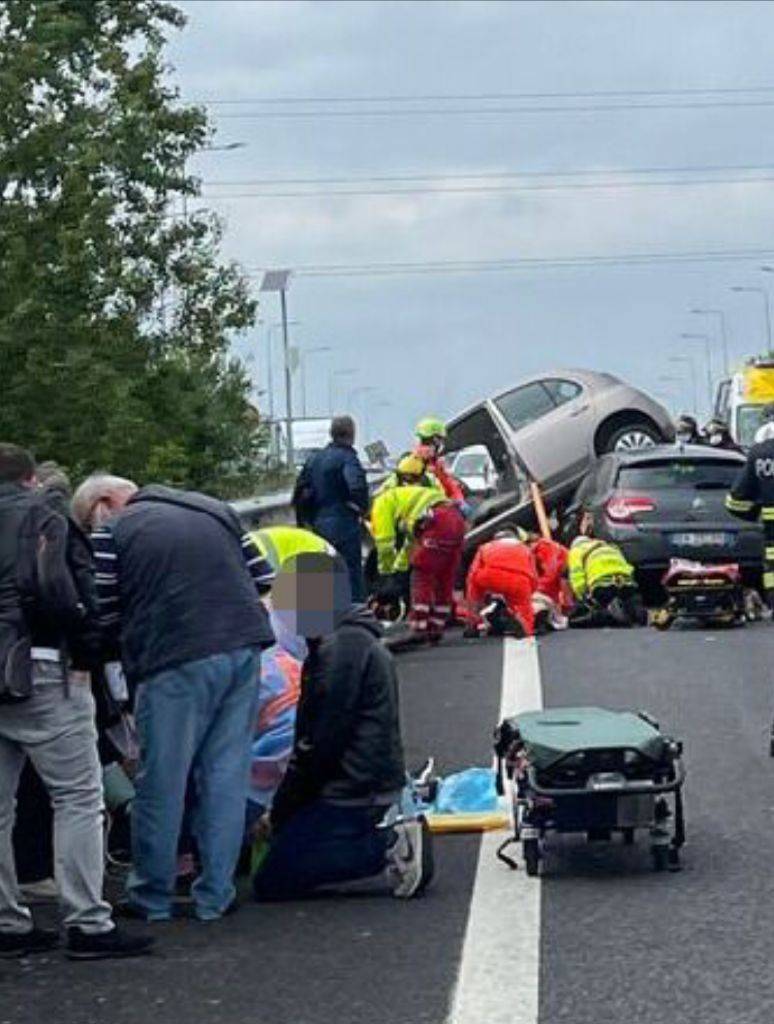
(179, 587)
(752, 496)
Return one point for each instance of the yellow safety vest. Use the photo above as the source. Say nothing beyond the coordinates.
(394, 518)
(594, 561)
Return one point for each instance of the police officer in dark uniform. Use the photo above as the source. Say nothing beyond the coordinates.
(752, 496)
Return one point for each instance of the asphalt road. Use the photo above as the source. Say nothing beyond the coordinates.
(617, 942)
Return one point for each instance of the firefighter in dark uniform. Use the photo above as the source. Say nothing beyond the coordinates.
(752, 496)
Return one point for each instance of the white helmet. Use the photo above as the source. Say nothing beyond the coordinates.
(765, 433)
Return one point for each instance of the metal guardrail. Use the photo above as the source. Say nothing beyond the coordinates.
(275, 509)
(266, 510)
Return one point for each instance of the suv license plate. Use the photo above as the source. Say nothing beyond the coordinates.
(702, 540)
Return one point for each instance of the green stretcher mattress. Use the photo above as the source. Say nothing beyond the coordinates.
(551, 734)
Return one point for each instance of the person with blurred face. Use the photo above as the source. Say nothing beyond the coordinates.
(329, 822)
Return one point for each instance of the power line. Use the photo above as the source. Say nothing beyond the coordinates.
(522, 263)
(491, 96)
(490, 111)
(487, 189)
(494, 175)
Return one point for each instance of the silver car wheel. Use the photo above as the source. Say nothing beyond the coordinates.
(634, 440)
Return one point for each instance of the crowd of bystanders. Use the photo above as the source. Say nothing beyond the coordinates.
(133, 717)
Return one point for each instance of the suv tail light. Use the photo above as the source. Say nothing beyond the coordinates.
(623, 507)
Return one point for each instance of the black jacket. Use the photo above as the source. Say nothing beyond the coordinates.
(331, 489)
(752, 496)
(45, 575)
(347, 745)
(185, 590)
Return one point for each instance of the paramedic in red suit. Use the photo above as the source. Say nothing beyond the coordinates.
(550, 562)
(504, 567)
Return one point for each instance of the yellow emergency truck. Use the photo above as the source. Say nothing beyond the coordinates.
(741, 399)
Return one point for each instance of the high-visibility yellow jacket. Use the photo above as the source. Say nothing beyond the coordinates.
(392, 481)
(594, 562)
(279, 543)
(394, 517)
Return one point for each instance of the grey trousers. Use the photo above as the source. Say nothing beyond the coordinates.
(56, 731)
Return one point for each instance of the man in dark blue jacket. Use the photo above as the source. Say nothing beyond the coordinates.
(331, 497)
(178, 585)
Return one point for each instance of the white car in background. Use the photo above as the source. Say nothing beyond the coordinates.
(474, 468)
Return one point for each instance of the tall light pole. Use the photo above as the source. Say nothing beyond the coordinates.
(691, 363)
(227, 148)
(331, 379)
(672, 393)
(768, 270)
(708, 351)
(305, 353)
(364, 389)
(269, 348)
(766, 310)
(721, 316)
(277, 281)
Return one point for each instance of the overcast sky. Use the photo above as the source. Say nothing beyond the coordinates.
(433, 343)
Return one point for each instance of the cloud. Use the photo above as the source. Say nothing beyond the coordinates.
(438, 342)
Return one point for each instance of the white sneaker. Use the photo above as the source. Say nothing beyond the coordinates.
(44, 891)
(410, 858)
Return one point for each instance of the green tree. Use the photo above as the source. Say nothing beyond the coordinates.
(115, 308)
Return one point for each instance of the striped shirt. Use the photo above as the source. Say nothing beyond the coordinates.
(108, 584)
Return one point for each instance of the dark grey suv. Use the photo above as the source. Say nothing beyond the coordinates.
(668, 502)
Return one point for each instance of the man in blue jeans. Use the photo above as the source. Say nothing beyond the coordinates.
(178, 586)
(333, 819)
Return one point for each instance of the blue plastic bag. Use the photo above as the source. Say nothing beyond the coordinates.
(469, 790)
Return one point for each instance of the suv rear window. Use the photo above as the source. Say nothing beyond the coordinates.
(672, 473)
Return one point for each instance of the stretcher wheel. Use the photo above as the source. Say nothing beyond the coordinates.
(660, 855)
(531, 851)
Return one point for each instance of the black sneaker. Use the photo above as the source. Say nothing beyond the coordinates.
(110, 945)
(37, 940)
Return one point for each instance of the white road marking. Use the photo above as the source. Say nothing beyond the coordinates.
(500, 967)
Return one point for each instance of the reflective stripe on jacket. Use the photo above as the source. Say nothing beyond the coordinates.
(592, 562)
(394, 518)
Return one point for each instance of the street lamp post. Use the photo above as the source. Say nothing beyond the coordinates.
(305, 353)
(331, 378)
(766, 310)
(672, 393)
(277, 281)
(691, 363)
(768, 270)
(270, 364)
(721, 316)
(708, 351)
(364, 389)
(227, 148)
